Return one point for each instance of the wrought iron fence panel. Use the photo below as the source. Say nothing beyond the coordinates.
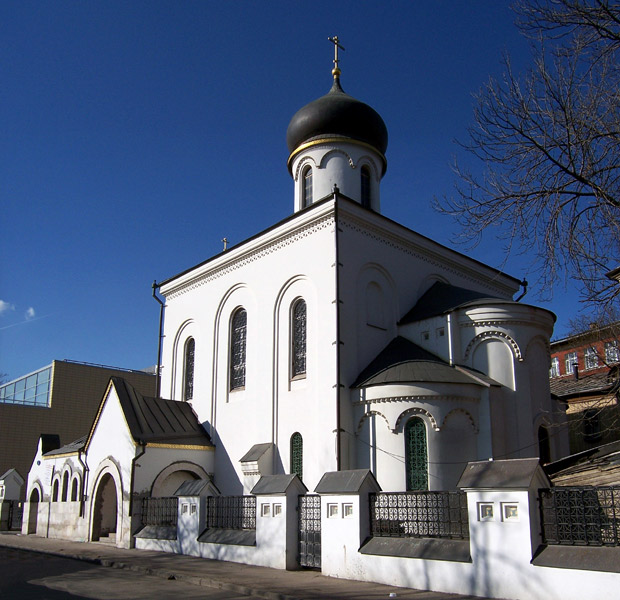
(419, 514)
(16, 513)
(162, 512)
(310, 531)
(580, 516)
(231, 512)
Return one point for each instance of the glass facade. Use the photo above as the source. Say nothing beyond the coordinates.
(30, 390)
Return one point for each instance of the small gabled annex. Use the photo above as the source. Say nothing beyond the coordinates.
(92, 488)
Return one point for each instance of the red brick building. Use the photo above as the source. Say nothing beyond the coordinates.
(584, 377)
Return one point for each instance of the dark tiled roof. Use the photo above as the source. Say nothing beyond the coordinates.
(275, 484)
(74, 446)
(595, 466)
(49, 442)
(442, 297)
(402, 361)
(589, 385)
(155, 420)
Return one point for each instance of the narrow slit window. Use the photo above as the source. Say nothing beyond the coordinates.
(307, 189)
(188, 384)
(298, 338)
(297, 455)
(365, 174)
(238, 331)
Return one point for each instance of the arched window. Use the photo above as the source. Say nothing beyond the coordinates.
(65, 486)
(297, 455)
(365, 174)
(307, 189)
(544, 449)
(188, 370)
(238, 328)
(298, 338)
(416, 459)
(55, 491)
(74, 489)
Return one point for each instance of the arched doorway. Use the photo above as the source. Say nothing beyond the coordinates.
(33, 511)
(105, 510)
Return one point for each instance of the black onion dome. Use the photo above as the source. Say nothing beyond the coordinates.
(340, 115)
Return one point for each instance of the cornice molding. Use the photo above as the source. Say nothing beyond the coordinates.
(409, 247)
(418, 398)
(282, 241)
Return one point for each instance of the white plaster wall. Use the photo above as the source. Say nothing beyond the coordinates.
(264, 276)
(339, 166)
(164, 461)
(500, 567)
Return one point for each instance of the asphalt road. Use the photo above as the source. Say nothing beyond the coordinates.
(32, 576)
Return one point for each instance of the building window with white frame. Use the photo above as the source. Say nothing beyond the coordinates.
(554, 371)
(570, 362)
(591, 358)
(612, 352)
(306, 195)
(298, 338)
(188, 370)
(238, 338)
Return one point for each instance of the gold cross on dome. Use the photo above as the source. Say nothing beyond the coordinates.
(334, 40)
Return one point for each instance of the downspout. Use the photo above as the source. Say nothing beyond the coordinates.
(142, 447)
(161, 333)
(338, 342)
(450, 348)
(84, 484)
(524, 284)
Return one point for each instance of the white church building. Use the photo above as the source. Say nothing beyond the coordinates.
(337, 340)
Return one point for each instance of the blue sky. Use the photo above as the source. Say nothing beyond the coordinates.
(136, 135)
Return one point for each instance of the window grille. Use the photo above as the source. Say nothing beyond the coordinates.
(591, 358)
(297, 455)
(299, 338)
(365, 174)
(416, 454)
(190, 348)
(307, 193)
(237, 349)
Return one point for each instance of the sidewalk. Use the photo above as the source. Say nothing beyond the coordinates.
(272, 584)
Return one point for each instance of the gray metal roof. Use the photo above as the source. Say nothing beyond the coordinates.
(515, 473)
(344, 482)
(442, 297)
(255, 452)
(403, 361)
(191, 487)
(275, 484)
(155, 420)
(74, 446)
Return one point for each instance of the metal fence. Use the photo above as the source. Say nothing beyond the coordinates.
(162, 512)
(580, 516)
(419, 514)
(231, 512)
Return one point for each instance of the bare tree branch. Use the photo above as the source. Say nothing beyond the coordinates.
(550, 144)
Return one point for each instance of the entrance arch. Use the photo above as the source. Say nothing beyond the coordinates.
(105, 511)
(33, 511)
